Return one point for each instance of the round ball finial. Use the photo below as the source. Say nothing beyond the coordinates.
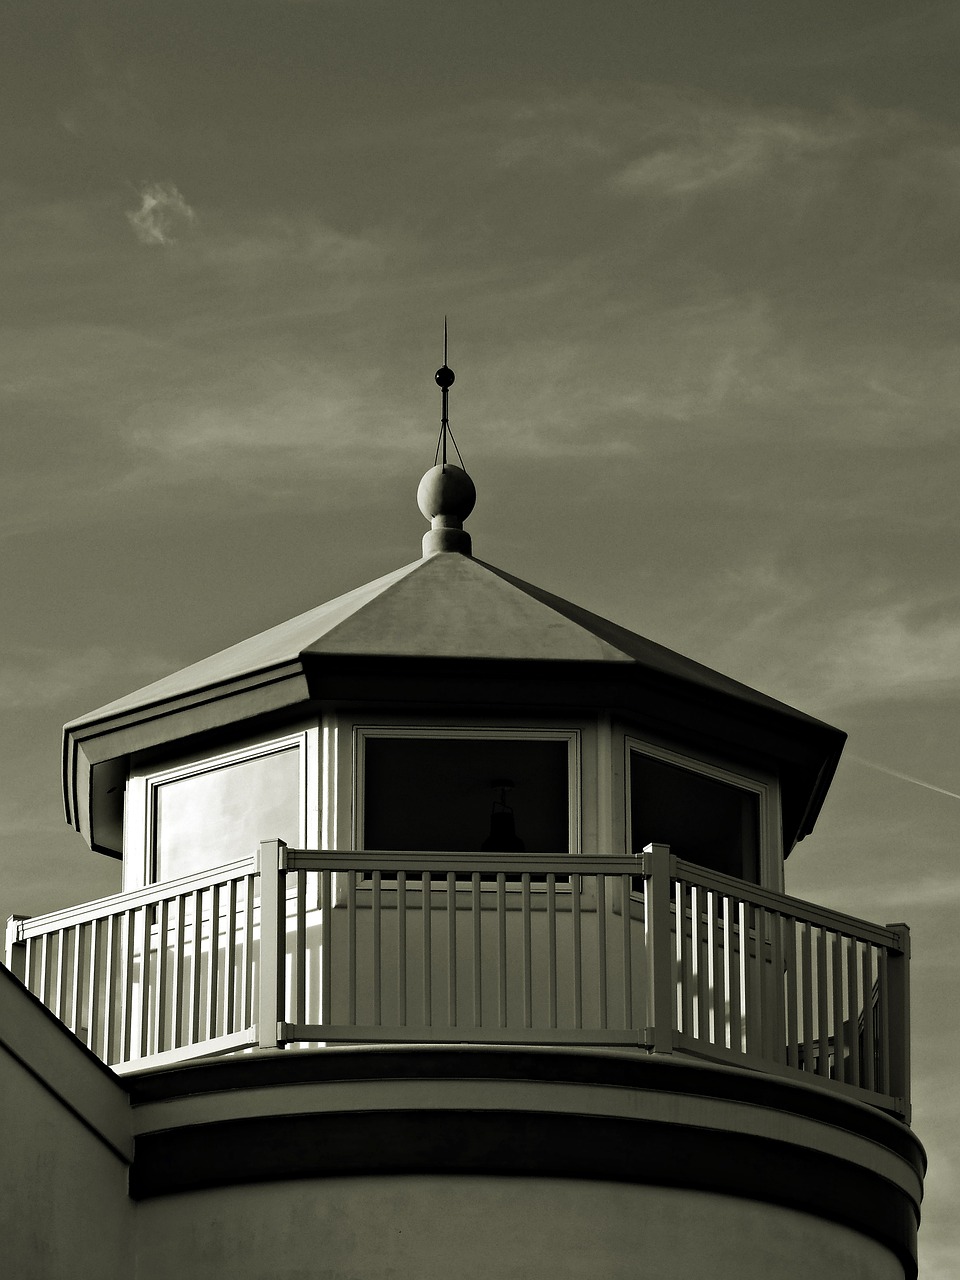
(447, 493)
(445, 377)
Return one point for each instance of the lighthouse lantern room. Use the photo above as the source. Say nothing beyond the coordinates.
(453, 936)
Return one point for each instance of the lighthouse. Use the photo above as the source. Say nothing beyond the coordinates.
(453, 940)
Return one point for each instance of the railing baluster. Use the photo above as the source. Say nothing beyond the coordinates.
(776, 1009)
(230, 960)
(299, 958)
(75, 985)
(108, 994)
(477, 949)
(402, 948)
(160, 1043)
(724, 1010)
(660, 910)
(527, 960)
(790, 977)
(853, 1016)
(451, 949)
(839, 1039)
(748, 966)
(377, 926)
(551, 950)
(351, 948)
(869, 1041)
(176, 983)
(576, 935)
(93, 987)
(731, 932)
(58, 977)
(426, 908)
(883, 991)
(213, 963)
(195, 974)
(685, 953)
(898, 979)
(501, 949)
(44, 985)
(755, 917)
(126, 1022)
(326, 946)
(806, 949)
(249, 1017)
(29, 957)
(146, 986)
(697, 909)
(823, 1024)
(272, 985)
(625, 955)
(602, 950)
(715, 970)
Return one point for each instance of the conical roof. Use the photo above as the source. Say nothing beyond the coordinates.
(442, 606)
(444, 612)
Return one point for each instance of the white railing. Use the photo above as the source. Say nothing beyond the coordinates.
(759, 979)
(306, 947)
(160, 974)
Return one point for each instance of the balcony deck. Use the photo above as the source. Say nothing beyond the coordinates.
(300, 947)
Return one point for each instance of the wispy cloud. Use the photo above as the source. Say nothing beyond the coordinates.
(163, 214)
(893, 652)
(823, 643)
(766, 186)
(705, 149)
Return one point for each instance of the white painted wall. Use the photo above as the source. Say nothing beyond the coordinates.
(64, 1210)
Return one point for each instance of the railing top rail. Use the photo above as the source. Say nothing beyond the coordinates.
(466, 864)
(810, 912)
(561, 864)
(148, 896)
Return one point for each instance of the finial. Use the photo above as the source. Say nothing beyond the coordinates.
(446, 495)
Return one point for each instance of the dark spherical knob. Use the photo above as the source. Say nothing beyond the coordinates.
(444, 377)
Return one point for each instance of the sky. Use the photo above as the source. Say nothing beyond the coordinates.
(701, 269)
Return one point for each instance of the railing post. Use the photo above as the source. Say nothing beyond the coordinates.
(898, 1005)
(658, 937)
(271, 865)
(16, 949)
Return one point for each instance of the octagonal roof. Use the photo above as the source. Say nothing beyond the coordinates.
(445, 607)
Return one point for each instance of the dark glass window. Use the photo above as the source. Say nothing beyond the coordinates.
(463, 795)
(702, 819)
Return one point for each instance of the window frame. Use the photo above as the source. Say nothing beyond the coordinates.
(572, 735)
(151, 780)
(764, 786)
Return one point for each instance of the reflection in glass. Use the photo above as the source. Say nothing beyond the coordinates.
(221, 814)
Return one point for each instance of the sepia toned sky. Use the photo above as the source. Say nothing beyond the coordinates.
(702, 269)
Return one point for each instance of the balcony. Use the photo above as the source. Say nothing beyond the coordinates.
(304, 948)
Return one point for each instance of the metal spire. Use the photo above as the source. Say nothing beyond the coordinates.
(445, 380)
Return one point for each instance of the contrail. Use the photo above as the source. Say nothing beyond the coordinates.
(894, 773)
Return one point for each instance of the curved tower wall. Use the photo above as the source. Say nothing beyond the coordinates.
(497, 1161)
(418, 1227)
